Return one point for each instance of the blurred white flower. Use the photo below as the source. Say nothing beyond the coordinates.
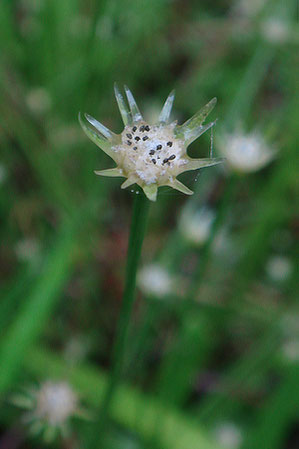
(279, 268)
(229, 435)
(195, 226)
(28, 250)
(38, 100)
(49, 408)
(275, 30)
(154, 280)
(245, 152)
(55, 403)
(248, 8)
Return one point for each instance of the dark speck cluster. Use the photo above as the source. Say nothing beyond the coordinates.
(135, 135)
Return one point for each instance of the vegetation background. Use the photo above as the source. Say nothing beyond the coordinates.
(215, 363)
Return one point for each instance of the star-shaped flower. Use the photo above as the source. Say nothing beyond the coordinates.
(151, 156)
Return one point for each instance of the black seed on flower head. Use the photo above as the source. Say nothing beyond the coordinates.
(159, 147)
(165, 160)
(171, 157)
(152, 152)
(145, 138)
(154, 161)
(129, 142)
(129, 135)
(142, 128)
(169, 144)
(137, 138)
(147, 128)
(134, 148)
(134, 128)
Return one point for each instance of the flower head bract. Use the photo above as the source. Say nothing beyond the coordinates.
(150, 156)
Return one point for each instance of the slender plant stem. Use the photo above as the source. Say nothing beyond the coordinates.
(137, 232)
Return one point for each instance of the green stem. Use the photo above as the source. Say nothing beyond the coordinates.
(137, 232)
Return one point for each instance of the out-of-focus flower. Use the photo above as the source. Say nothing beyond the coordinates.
(275, 30)
(38, 100)
(279, 268)
(195, 226)
(155, 280)
(229, 435)
(150, 155)
(245, 152)
(28, 250)
(247, 8)
(49, 408)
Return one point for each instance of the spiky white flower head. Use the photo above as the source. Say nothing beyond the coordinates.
(49, 408)
(245, 153)
(195, 226)
(155, 280)
(148, 155)
(229, 435)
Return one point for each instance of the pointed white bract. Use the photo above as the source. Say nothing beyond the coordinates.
(123, 109)
(192, 134)
(178, 185)
(195, 164)
(96, 137)
(150, 156)
(135, 113)
(196, 121)
(151, 191)
(166, 110)
(101, 128)
(110, 172)
(129, 182)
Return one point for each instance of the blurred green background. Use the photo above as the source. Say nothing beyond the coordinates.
(213, 359)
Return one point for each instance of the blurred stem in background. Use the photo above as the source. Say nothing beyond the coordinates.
(137, 233)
